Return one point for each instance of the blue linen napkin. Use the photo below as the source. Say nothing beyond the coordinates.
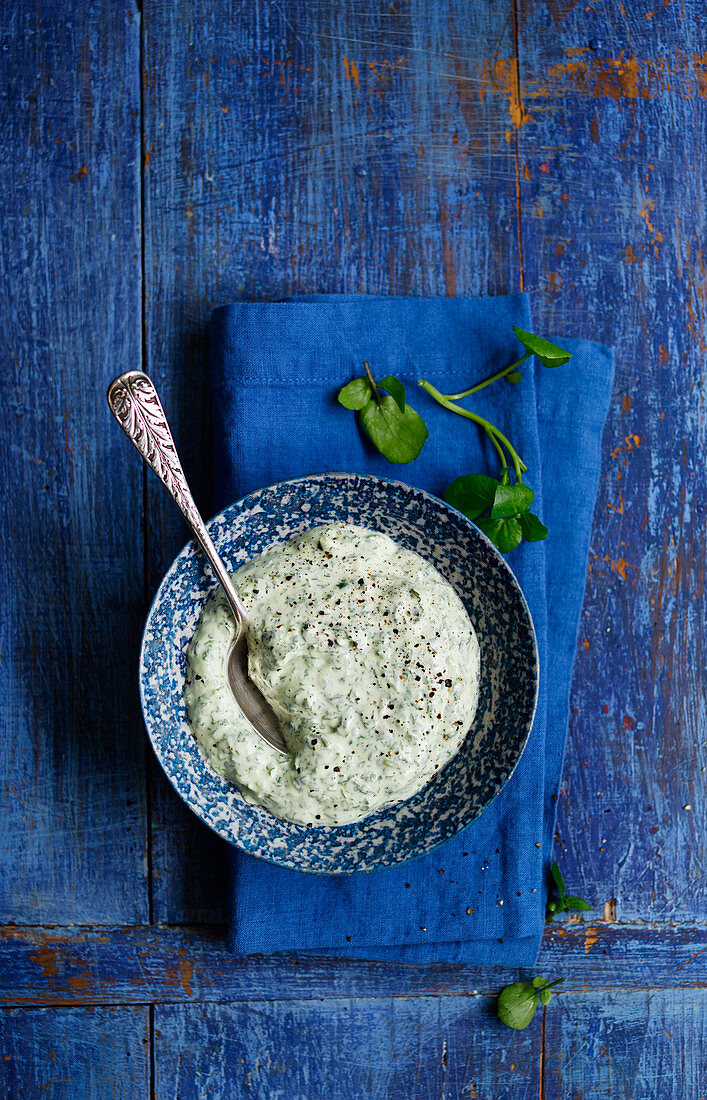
(276, 368)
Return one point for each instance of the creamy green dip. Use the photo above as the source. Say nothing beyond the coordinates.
(369, 660)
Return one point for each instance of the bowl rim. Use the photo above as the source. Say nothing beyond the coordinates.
(191, 548)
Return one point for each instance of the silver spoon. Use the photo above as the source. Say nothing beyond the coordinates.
(135, 405)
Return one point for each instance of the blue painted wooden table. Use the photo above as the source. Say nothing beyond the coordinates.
(162, 158)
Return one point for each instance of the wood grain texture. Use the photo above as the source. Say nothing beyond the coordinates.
(74, 1054)
(640, 1045)
(89, 966)
(71, 788)
(397, 1049)
(295, 148)
(613, 216)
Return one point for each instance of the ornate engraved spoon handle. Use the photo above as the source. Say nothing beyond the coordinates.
(137, 408)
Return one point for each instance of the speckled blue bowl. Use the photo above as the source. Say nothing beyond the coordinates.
(509, 672)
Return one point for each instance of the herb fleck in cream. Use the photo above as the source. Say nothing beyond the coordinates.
(369, 660)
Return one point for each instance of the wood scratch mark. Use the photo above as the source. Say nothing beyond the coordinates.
(691, 958)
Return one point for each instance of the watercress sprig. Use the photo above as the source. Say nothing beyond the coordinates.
(499, 507)
(391, 424)
(517, 1002)
(564, 902)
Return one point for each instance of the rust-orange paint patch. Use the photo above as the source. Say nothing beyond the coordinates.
(46, 959)
(630, 441)
(186, 973)
(351, 71)
(81, 174)
(502, 76)
(625, 77)
(590, 938)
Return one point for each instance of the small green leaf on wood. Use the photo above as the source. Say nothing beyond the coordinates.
(572, 902)
(514, 376)
(517, 1004)
(558, 879)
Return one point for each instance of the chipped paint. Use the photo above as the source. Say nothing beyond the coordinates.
(351, 71)
(624, 77)
(185, 969)
(46, 959)
(501, 76)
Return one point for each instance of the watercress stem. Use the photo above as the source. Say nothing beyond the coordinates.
(490, 429)
(488, 381)
(371, 379)
(501, 453)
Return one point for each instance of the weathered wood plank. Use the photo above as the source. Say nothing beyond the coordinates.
(74, 1053)
(71, 772)
(612, 189)
(633, 1044)
(401, 1049)
(299, 148)
(87, 966)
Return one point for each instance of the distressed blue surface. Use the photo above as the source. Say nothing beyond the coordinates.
(72, 808)
(290, 148)
(74, 1053)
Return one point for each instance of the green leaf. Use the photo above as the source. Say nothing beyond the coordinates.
(514, 376)
(571, 902)
(395, 388)
(399, 436)
(510, 500)
(517, 1004)
(356, 394)
(545, 996)
(538, 982)
(472, 494)
(533, 528)
(558, 879)
(550, 355)
(504, 533)
(552, 907)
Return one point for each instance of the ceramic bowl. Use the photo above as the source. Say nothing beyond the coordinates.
(508, 689)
